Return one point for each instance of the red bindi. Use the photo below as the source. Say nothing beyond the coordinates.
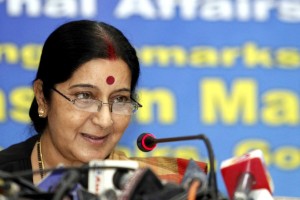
(110, 80)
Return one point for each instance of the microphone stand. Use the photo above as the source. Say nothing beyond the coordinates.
(212, 181)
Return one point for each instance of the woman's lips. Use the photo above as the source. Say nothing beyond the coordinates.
(94, 139)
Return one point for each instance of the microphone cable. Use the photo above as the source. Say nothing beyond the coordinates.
(67, 183)
(192, 192)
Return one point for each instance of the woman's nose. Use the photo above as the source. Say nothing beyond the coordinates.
(103, 117)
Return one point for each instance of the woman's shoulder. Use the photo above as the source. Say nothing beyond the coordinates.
(166, 168)
(169, 168)
(17, 152)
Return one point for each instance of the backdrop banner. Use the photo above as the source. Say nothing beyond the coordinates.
(225, 68)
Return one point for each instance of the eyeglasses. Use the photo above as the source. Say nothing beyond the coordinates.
(94, 105)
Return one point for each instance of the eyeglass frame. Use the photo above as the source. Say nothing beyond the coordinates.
(100, 103)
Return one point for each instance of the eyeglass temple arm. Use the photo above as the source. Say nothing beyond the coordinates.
(139, 105)
(62, 94)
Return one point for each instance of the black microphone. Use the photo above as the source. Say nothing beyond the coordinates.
(9, 188)
(15, 186)
(144, 184)
(143, 181)
(147, 142)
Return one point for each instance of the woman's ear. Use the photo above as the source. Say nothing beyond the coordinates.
(40, 98)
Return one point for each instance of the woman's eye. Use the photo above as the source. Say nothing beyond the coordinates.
(121, 99)
(83, 95)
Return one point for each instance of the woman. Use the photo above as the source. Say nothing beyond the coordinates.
(84, 98)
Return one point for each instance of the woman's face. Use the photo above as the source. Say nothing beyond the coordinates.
(80, 136)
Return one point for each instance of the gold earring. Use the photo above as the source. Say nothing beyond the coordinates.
(41, 112)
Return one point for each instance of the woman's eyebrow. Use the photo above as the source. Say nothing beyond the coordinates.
(123, 90)
(83, 85)
(86, 85)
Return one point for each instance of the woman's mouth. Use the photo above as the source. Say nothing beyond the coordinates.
(94, 139)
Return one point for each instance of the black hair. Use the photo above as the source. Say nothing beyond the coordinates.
(73, 44)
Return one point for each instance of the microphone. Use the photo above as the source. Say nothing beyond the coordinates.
(91, 181)
(59, 183)
(147, 142)
(260, 194)
(101, 173)
(15, 186)
(245, 174)
(8, 188)
(194, 179)
(144, 184)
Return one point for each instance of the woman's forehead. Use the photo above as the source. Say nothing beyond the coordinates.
(102, 71)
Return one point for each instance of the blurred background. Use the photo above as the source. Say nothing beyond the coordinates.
(225, 68)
